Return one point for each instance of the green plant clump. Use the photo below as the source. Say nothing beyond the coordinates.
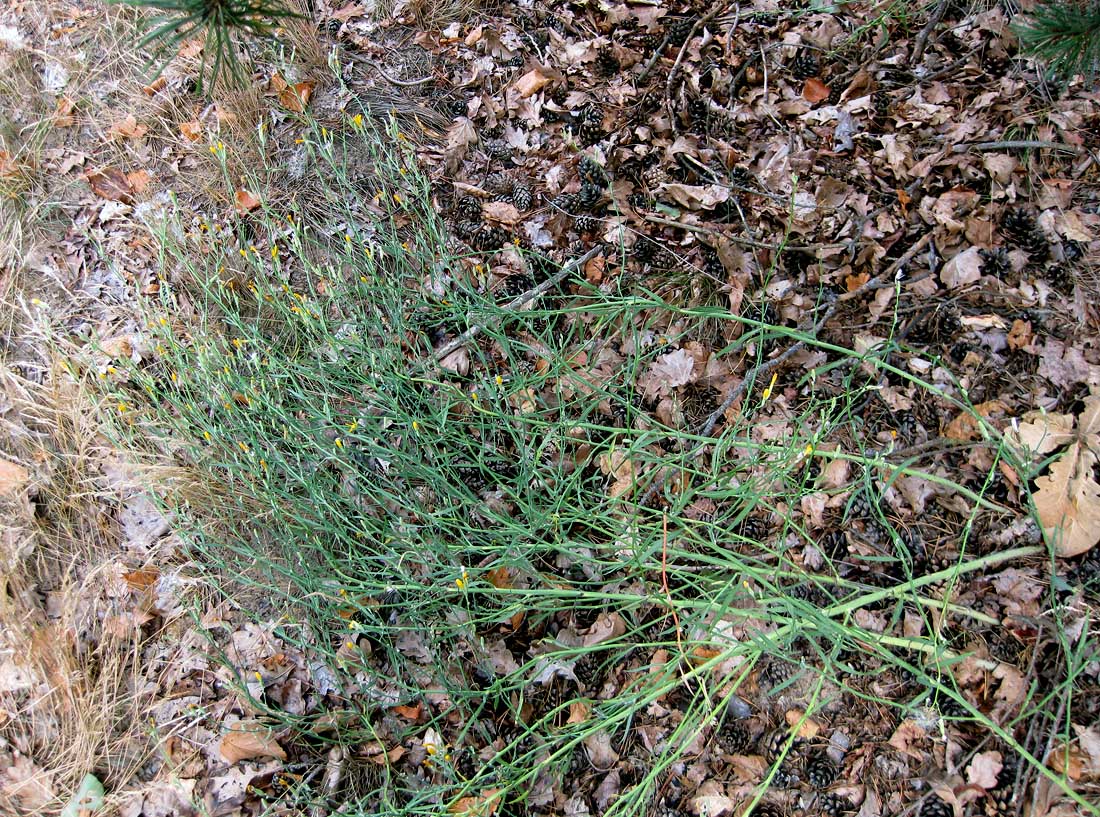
(468, 537)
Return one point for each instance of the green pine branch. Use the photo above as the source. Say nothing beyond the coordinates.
(1065, 34)
(223, 22)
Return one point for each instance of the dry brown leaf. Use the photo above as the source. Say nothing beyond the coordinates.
(815, 90)
(292, 97)
(13, 477)
(1068, 502)
(63, 112)
(245, 201)
(983, 769)
(248, 740)
(483, 805)
(459, 138)
(502, 211)
(965, 268)
(697, 197)
(965, 425)
(127, 128)
(906, 735)
(1020, 335)
(531, 82)
(139, 180)
(191, 131)
(1068, 760)
(616, 464)
(111, 184)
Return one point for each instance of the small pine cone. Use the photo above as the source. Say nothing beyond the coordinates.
(766, 808)
(590, 127)
(643, 250)
(567, 203)
(754, 529)
(678, 30)
(833, 805)
(607, 64)
(516, 61)
(996, 263)
(650, 42)
(1022, 230)
(836, 91)
(497, 149)
(490, 238)
(1061, 278)
(805, 65)
(587, 224)
(654, 176)
(820, 770)
(468, 208)
(498, 183)
(882, 103)
(905, 423)
(734, 738)
(558, 94)
(470, 476)
(467, 229)
(771, 745)
(859, 507)
(589, 671)
(774, 672)
(1072, 251)
(459, 107)
(516, 285)
(591, 172)
(589, 195)
(834, 545)
(522, 197)
(712, 265)
(696, 111)
(936, 806)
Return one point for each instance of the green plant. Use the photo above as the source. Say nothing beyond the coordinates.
(1065, 34)
(224, 24)
(468, 537)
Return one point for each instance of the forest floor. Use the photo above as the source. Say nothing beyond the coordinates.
(621, 408)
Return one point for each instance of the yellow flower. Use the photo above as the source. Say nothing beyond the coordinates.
(768, 390)
(352, 426)
(500, 380)
(416, 425)
(357, 120)
(462, 581)
(206, 436)
(339, 443)
(243, 446)
(122, 407)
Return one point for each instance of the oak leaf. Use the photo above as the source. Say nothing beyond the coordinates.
(250, 740)
(1067, 498)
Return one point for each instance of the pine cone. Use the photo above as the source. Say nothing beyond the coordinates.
(522, 197)
(590, 128)
(1020, 228)
(820, 770)
(587, 224)
(567, 203)
(607, 64)
(805, 65)
(469, 208)
(833, 805)
(936, 806)
(589, 195)
(497, 149)
(996, 263)
(734, 738)
(490, 238)
(591, 172)
(678, 30)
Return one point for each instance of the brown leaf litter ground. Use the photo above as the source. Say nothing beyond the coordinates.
(864, 173)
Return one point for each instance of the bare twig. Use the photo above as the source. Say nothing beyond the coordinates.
(921, 40)
(516, 303)
(403, 83)
(1017, 144)
(702, 21)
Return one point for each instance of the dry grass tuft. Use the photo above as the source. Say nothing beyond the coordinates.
(75, 687)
